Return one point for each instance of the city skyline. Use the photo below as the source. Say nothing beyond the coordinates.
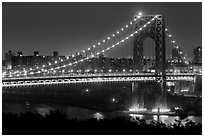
(102, 68)
(47, 27)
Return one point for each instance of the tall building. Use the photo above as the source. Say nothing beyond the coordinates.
(19, 53)
(197, 52)
(36, 53)
(8, 59)
(55, 53)
(18, 62)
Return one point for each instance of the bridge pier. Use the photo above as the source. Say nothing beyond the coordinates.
(137, 100)
(148, 95)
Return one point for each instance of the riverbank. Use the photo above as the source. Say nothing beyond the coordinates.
(56, 122)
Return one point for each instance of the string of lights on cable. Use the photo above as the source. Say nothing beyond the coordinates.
(108, 38)
(96, 54)
(176, 46)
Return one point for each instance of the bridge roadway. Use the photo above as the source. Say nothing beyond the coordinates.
(92, 78)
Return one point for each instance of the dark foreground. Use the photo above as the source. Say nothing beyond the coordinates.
(56, 122)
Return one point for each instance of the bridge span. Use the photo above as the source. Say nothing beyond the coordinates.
(93, 78)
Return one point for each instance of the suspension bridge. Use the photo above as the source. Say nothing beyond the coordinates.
(71, 70)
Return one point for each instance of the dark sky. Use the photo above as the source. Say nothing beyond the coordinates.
(67, 27)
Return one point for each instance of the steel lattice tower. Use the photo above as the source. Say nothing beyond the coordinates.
(156, 31)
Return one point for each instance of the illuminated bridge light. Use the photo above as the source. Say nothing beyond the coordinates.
(105, 49)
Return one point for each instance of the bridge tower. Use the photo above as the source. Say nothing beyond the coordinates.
(156, 31)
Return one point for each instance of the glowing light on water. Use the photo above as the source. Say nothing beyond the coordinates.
(136, 115)
(98, 116)
(155, 117)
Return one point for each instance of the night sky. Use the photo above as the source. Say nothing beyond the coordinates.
(67, 27)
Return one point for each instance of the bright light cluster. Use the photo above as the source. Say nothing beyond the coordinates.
(176, 46)
(93, 55)
(135, 109)
(160, 110)
(89, 48)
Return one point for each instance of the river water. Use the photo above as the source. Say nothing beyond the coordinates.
(83, 114)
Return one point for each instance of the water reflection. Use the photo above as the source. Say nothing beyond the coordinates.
(83, 114)
(43, 109)
(134, 117)
(98, 116)
(165, 118)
